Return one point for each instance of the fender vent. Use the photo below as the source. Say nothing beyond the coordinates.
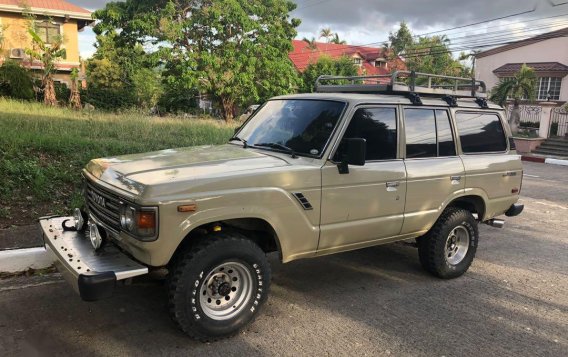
(303, 201)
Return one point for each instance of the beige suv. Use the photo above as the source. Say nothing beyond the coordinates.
(363, 161)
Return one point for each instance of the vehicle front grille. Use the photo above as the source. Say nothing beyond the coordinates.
(102, 204)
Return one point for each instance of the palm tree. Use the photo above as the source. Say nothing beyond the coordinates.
(326, 33)
(75, 98)
(312, 44)
(335, 39)
(521, 86)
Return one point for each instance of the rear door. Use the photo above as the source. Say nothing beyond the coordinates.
(492, 169)
(435, 173)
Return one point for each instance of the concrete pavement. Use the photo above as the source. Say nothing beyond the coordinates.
(377, 301)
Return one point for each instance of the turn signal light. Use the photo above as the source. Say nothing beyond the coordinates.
(187, 208)
(146, 220)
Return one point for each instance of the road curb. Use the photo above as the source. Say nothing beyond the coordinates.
(556, 162)
(19, 260)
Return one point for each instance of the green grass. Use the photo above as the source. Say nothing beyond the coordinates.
(42, 151)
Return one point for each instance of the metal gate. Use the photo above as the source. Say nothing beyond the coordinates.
(558, 122)
(529, 115)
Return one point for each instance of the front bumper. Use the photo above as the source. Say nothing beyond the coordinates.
(92, 274)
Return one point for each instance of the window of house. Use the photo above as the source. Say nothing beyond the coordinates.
(381, 64)
(548, 88)
(480, 132)
(428, 133)
(378, 127)
(357, 61)
(48, 31)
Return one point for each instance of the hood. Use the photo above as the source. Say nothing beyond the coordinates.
(134, 173)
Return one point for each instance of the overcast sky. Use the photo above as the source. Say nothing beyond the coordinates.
(369, 21)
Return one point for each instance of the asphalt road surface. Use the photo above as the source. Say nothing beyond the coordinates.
(377, 301)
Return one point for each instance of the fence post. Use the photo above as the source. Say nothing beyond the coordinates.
(545, 114)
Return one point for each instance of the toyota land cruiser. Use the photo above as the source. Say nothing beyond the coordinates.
(363, 161)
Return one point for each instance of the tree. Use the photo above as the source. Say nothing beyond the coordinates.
(326, 33)
(235, 50)
(521, 86)
(326, 65)
(75, 97)
(48, 54)
(312, 44)
(148, 87)
(433, 55)
(400, 39)
(337, 40)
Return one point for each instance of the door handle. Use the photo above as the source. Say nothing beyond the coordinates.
(456, 180)
(509, 174)
(392, 186)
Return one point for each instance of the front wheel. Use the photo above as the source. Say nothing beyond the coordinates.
(218, 286)
(448, 249)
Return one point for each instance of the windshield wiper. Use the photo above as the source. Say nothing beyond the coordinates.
(236, 138)
(279, 146)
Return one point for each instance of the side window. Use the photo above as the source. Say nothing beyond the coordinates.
(378, 127)
(480, 132)
(420, 126)
(446, 144)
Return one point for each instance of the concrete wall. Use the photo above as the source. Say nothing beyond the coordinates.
(553, 50)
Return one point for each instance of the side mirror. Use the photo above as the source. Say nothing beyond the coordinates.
(353, 152)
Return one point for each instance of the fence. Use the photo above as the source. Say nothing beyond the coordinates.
(529, 115)
(558, 122)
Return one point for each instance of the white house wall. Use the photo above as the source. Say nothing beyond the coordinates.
(553, 50)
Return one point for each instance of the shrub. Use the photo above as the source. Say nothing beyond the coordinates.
(109, 98)
(16, 82)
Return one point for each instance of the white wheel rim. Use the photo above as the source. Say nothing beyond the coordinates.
(457, 245)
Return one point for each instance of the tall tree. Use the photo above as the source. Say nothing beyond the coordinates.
(521, 86)
(75, 97)
(335, 39)
(48, 54)
(326, 33)
(236, 50)
(400, 39)
(433, 55)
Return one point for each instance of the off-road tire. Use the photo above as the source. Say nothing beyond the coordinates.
(190, 271)
(432, 246)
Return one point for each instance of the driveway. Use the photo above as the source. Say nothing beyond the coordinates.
(377, 301)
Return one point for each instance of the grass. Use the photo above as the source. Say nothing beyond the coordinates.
(42, 151)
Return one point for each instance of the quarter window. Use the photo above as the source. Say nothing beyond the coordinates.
(480, 132)
(428, 133)
(378, 127)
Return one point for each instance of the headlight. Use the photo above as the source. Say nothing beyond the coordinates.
(140, 222)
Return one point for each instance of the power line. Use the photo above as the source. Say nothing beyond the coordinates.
(445, 30)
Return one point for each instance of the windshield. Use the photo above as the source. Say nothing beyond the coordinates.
(303, 126)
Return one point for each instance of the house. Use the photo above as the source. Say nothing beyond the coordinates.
(53, 18)
(547, 54)
(370, 60)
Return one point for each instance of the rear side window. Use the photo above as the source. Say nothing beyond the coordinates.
(428, 133)
(378, 127)
(480, 132)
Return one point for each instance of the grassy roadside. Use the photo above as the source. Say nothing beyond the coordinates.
(42, 151)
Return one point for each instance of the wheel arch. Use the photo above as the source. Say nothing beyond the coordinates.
(258, 230)
(474, 203)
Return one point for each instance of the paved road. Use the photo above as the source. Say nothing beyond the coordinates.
(378, 301)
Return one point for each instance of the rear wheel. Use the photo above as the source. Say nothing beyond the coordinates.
(448, 249)
(218, 286)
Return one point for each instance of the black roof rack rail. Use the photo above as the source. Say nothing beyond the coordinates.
(404, 82)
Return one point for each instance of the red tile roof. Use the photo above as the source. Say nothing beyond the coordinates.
(511, 68)
(302, 56)
(58, 5)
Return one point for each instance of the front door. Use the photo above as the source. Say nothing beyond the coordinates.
(366, 204)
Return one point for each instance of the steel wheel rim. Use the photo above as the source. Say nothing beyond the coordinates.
(226, 291)
(457, 245)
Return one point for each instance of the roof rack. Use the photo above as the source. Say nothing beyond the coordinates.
(404, 82)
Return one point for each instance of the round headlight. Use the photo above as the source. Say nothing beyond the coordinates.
(127, 218)
(79, 220)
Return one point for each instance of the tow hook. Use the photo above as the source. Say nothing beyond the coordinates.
(497, 223)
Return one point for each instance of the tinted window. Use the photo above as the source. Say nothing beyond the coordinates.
(378, 127)
(446, 145)
(420, 126)
(480, 132)
(302, 125)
